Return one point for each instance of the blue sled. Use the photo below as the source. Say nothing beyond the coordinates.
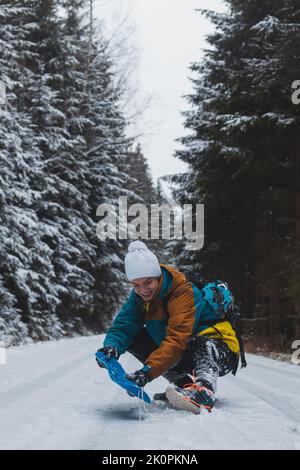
(117, 375)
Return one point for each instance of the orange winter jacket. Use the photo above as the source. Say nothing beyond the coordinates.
(187, 314)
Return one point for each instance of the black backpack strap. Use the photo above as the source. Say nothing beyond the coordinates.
(237, 330)
(242, 350)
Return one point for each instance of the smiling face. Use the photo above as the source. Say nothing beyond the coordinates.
(146, 287)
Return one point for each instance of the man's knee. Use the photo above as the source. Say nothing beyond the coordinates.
(203, 347)
(216, 352)
(177, 378)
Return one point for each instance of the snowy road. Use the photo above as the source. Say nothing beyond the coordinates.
(54, 396)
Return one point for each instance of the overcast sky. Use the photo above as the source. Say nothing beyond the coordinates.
(168, 35)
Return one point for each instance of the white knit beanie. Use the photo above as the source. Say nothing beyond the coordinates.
(141, 262)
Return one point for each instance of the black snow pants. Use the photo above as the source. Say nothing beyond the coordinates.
(206, 359)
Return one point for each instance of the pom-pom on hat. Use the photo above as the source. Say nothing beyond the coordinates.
(141, 262)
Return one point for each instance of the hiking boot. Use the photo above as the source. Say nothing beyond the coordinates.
(192, 397)
(160, 397)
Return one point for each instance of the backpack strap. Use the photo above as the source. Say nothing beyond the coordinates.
(241, 344)
(236, 326)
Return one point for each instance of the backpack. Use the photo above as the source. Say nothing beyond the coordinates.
(218, 295)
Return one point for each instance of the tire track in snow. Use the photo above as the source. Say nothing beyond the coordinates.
(42, 381)
(274, 370)
(264, 393)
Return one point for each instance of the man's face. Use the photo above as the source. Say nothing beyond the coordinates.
(146, 287)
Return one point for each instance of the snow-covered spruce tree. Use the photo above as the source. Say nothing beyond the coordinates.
(144, 193)
(107, 169)
(12, 158)
(84, 152)
(66, 154)
(276, 244)
(141, 184)
(63, 207)
(242, 151)
(28, 288)
(11, 325)
(172, 248)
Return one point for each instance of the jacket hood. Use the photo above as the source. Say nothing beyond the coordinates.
(171, 279)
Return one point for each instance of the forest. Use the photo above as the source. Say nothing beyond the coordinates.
(65, 149)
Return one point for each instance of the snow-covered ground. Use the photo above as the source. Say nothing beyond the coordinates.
(54, 396)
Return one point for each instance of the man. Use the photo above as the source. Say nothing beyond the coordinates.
(164, 324)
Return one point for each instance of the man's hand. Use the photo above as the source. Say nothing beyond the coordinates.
(109, 352)
(140, 377)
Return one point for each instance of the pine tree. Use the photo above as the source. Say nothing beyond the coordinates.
(144, 192)
(242, 154)
(170, 249)
(142, 184)
(27, 271)
(64, 151)
(107, 169)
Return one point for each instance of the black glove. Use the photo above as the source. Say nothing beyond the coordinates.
(109, 352)
(140, 377)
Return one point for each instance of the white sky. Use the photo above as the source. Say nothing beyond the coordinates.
(168, 35)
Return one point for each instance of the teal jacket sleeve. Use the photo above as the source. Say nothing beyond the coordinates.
(128, 322)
